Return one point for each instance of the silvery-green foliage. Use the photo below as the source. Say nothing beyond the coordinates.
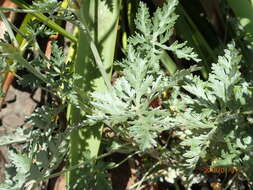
(212, 119)
(215, 116)
(17, 171)
(126, 108)
(129, 102)
(59, 76)
(156, 31)
(44, 150)
(18, 135)
(49, 6)
(34, 29)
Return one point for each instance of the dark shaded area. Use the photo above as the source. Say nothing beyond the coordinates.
(120, 175)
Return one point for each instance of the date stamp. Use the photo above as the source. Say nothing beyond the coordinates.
(220, 170)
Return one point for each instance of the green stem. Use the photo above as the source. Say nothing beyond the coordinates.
(9, 30)
(96, 45)
(46, 21)
(169, 64)
(14, 54)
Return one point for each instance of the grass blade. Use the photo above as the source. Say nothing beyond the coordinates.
(102, 22)
(46, 21)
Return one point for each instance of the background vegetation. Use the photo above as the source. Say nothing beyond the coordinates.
(134, 94)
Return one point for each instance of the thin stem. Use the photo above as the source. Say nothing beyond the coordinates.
(80, 164)
(18, 31)
(144, 177)
(100, 65)
(47, 21)
(13, 53)
(3, 9)
(129, 156)
(9, 30)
